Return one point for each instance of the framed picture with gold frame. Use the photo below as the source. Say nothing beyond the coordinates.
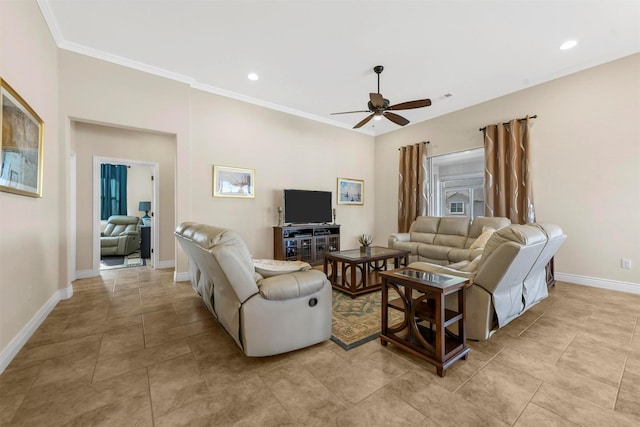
(233, 182)
(21, 149)
(350, 191)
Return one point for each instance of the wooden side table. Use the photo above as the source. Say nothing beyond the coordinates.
(427, 328)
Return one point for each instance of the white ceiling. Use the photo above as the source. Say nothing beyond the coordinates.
(316, 57)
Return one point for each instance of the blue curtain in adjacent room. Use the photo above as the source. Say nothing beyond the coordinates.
(113, 190)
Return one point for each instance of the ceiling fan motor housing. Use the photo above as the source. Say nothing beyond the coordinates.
(385, 106)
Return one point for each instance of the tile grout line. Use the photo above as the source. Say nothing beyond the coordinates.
(626, 359)
(478, 371)
(524, 408)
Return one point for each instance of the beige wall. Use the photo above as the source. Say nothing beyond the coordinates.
(32, 244)
(114, 96)
(139, 188)
(286, 152)
(586, 160)
(104, 141)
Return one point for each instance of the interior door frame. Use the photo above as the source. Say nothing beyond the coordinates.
(155, 200)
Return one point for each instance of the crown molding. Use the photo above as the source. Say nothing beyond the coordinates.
(150, 69)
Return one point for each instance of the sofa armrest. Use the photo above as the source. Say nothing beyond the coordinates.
(441, 269)
(399, 237)
(292, 285)
(129, 233)
(272, 267)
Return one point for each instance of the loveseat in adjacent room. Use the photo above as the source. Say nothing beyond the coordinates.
(121, 236)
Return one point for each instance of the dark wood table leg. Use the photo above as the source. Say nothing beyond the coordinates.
(385, 311)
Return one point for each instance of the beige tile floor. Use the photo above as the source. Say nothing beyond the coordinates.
(134, 348)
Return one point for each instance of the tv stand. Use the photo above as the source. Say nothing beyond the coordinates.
(305, 242)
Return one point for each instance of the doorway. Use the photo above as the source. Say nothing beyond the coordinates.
(141, 188)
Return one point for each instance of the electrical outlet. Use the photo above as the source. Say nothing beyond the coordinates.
(625, 263)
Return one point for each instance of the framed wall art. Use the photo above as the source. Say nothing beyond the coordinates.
(233, 182)
(21, 148)
(350, 191)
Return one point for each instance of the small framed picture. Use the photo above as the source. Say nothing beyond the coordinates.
(21, 147)
(233, 182)
(350, 191)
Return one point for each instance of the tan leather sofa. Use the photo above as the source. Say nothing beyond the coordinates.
(121, 236)
(445, 240)
(508, 278)
(264, 315)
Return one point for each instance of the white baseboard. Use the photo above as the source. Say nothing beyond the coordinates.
(614, 285)
(181, 277)
(166, 264)
(23, 336)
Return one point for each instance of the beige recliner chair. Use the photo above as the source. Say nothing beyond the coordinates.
(264, 315)
(121, 235)
(507, 279)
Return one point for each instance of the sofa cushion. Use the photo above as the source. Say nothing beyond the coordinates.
(411, 247)
(458, 254)
(480, 222)
(452, 231)
(420, 237)
(482, 240)
(454, 225)
(434, 252)
(425, 224)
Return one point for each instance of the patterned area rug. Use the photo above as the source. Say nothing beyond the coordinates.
(357, 321)
(113, 262)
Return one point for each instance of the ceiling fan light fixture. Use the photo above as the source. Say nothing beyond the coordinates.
(379, 106)
(569, 44)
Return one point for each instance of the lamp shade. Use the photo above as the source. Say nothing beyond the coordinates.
(144, 206)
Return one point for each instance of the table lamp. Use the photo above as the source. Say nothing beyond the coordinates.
(145, 207)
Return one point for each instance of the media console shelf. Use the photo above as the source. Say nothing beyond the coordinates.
(305, 242)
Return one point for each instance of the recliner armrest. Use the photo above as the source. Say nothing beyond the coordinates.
(292, 285)
(399, 237)
(130, 233)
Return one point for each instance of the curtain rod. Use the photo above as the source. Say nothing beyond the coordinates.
(424, 142)
(535, 116)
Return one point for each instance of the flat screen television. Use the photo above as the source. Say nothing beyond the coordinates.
(307, 207)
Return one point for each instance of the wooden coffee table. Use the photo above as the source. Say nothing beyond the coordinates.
(355, 273)
(429, 329)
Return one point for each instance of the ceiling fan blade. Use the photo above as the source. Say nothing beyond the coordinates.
(349, 112)
(411, 104)
(364, 121)
(376, 100)
(399, 120)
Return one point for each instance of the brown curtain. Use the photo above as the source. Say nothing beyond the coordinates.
(507, 172)
(411, 197)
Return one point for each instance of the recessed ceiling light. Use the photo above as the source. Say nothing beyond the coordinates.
(253, 77)
(568, 45)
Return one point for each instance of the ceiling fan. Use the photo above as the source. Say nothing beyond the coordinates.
(379, 106)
